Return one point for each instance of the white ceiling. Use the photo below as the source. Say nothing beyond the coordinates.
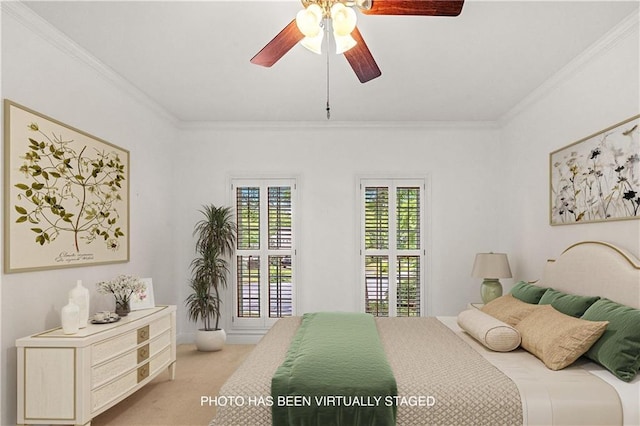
(192, 58)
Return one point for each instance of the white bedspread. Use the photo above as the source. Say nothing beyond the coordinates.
(572, 396)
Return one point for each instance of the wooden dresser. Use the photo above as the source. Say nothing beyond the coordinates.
(70, 379)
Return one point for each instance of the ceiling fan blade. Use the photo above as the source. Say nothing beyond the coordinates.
(281, 44)
(361, 59)
(415, 7)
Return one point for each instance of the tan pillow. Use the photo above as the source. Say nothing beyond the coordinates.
(509, 309)
(558, 339)
(490, 331)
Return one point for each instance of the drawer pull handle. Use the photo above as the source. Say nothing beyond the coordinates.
(143, 334)
(143, 372)
(143, 353)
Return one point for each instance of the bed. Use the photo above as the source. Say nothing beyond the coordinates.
(446, 376)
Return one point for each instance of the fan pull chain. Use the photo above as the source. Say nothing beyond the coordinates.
(326, 27)
(328, 106)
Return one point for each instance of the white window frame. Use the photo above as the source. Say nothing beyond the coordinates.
(264, 321)
(393, 183)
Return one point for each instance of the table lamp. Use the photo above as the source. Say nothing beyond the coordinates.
(491, 267)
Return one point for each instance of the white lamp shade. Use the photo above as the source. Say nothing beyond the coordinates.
(308, 20)
(491, 265)
(344, 43)
(314, 44)
(343, 19)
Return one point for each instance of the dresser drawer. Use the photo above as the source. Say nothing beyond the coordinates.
(112, 347)
(160, 343)
(102, 373)
(160, 361)
(105, 394)
(159, 326)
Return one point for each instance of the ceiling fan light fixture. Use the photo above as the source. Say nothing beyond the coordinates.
(343, 19)
(308, 20)
(308, 29)
(314, 43)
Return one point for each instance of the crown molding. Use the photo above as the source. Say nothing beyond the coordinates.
(318, 125)
(624, 29)
(41, 27)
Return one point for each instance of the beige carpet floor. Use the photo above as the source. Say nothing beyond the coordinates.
(178, 402)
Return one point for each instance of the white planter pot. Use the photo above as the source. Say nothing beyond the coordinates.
(210, 340)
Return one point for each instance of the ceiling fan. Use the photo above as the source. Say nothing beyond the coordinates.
(307, 29)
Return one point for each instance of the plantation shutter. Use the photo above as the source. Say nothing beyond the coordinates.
(248, 239)
(248, 217)
(393, 253)
(408, 241)
(280, 285)
(264, 273)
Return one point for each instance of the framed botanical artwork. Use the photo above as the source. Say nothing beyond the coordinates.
(66, 195)
(597, 178)
(143, 299)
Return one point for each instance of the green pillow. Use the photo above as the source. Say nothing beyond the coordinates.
(526, 292)
(618, 350)
(568, 304)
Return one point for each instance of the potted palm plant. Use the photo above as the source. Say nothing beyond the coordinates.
(216, 236)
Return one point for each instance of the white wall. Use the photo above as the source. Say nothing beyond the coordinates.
(462, 210)
(48, 79)
(600, 89)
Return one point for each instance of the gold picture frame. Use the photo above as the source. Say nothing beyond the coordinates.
(597, 178)
(66, 195)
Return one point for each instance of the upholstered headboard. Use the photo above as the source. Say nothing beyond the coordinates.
(595, 268)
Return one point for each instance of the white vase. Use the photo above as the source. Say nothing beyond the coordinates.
(210, 340)
(70, 317)
(80, 296)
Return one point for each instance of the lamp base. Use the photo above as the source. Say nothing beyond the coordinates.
(490, 289)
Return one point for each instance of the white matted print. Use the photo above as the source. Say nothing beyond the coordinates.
(143, 299)
(66, 195)
(597, 178)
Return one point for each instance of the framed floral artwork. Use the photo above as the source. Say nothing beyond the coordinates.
(597, 178)
(143, 299)
(66, 195)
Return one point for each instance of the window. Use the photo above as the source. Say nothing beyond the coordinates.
(264, 266)
(392, 252)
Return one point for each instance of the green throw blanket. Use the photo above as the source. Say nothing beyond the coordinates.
(335, 373)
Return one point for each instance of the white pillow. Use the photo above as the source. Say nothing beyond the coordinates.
(491, 332)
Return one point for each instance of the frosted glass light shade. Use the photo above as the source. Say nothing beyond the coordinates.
(343, 18)
(314, 44)
(308, 20)
(344, 43)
